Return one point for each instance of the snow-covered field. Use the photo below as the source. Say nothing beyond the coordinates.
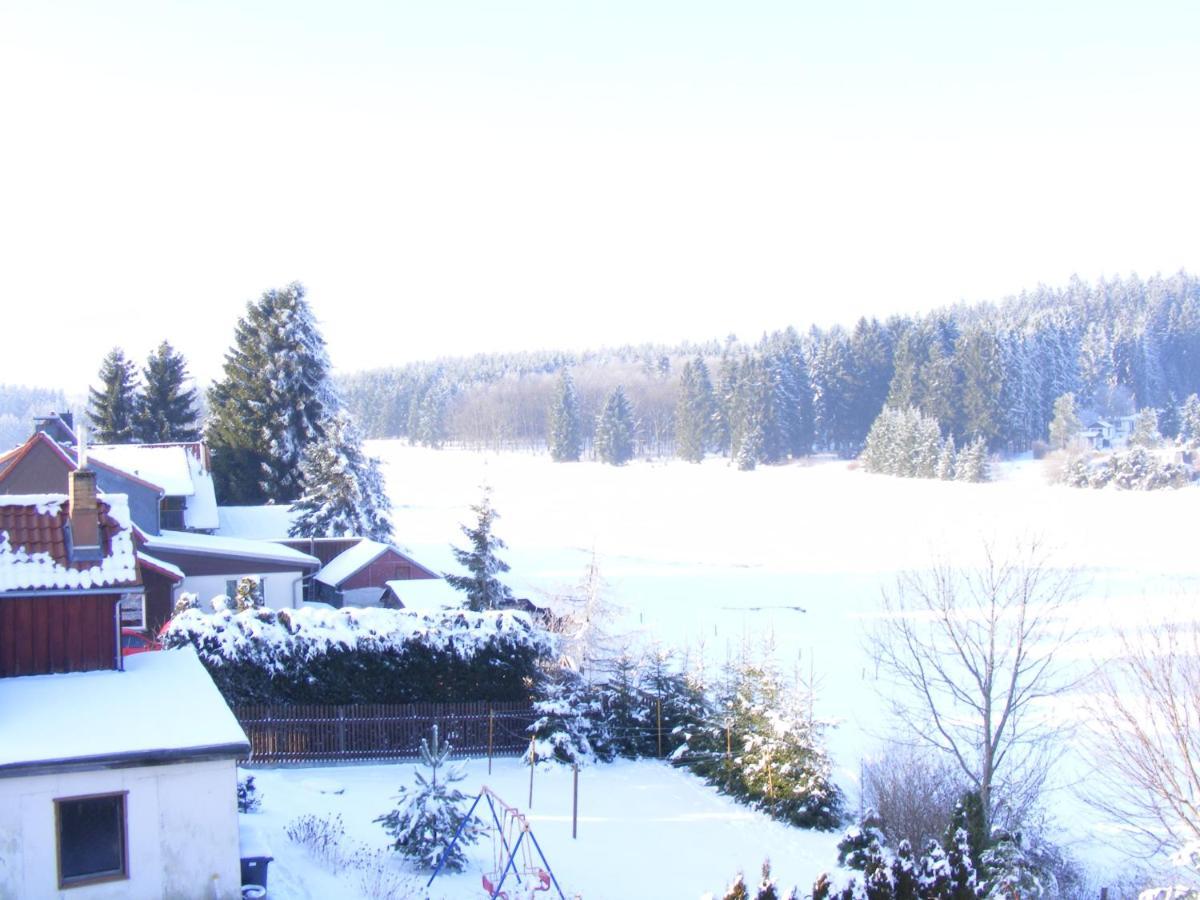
(705, 557)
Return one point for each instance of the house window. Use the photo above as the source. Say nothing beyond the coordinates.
(91, 839)
(133, 610)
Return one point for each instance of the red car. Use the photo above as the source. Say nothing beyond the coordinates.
(135, 641)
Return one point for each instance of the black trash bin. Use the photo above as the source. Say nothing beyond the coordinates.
(256, 856)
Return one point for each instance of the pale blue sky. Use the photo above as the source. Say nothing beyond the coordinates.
(452, 177)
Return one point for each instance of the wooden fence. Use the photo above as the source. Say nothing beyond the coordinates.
(372, 731)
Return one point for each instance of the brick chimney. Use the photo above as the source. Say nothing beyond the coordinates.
(85, 513)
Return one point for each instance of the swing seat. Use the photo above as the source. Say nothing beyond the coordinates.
(491, 889)
(543, 877)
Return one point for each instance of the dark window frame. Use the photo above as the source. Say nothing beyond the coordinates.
(99, 878)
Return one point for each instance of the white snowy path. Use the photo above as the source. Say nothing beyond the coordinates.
(645, 830)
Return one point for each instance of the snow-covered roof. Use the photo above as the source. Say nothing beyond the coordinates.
(350, 561)
(426, 595)
(260, 522)
(164, 705)
(34, 551)
(211, 545)
(168, 568)
(179, 469)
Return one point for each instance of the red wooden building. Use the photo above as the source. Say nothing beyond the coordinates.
(67, 563)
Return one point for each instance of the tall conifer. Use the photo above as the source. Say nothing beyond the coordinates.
(566, 437)
(166, 410)
(112, 406)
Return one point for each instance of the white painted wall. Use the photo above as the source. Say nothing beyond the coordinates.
(282, 590)
(181, 828)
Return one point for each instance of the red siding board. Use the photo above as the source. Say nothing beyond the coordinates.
(58, 633)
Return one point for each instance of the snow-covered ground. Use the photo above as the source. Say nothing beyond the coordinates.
(704, 557)
(645, 830)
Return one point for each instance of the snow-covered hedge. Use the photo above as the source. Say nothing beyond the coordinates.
(364, 655)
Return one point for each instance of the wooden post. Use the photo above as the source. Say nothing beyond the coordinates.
(728, 742)
(1103, 893)
(491, 731)
(660, 727)
(575, 804)
(532, 765)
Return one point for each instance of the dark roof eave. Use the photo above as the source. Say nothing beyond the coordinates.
(126, 760)
(131, 588)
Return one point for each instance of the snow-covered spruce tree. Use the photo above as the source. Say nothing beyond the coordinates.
(566, 429)
(777, 759)
(695, 412)
(344, 494)
(625, 711)
(767, 889)
(271, 402)
(570, 726)
(614, 429)
(483, 589)
(972, 463)
(428, 814)
(166, 409)
(112, 406)
(737, 889)
(1189, 422)
(945, 463)
(927, 445)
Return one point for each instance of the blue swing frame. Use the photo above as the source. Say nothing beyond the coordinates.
(492, 799)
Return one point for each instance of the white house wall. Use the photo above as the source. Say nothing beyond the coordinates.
(181, 829)
(282, 590)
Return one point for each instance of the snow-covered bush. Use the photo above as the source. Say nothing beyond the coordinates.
(1136, 469)
(248, 798)
(364, 655)
(249, 594)
(429, 814)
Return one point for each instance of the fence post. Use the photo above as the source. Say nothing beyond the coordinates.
(491, 732)
(575, 804)
(532, 766)
(341, 731)
(660, 727)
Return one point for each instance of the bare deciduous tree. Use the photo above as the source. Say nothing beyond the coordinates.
(968, 655)
(1145, 736)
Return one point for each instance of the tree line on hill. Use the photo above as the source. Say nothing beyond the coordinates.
(988, 372)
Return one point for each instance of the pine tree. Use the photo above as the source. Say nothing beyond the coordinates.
(737, 890)
(979, 358)
(766, 888)
(112, 406)
(695, 413)
(614, 429)
(166, 411)
(483, 589)
(344, 494)
(945, 463)
(430, 813)
(566, 437)
(272, 401)
(972, 462)
(1189, 421)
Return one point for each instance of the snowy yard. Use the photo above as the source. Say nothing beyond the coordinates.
(703, 558)
(645, 830)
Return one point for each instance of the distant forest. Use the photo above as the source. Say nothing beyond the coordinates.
(986, 370)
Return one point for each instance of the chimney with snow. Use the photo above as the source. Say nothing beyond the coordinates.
(84, 511)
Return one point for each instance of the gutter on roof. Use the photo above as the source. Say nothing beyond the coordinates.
(123, 588)
(126, 760)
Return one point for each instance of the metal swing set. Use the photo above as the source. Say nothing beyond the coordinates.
(510, 823)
